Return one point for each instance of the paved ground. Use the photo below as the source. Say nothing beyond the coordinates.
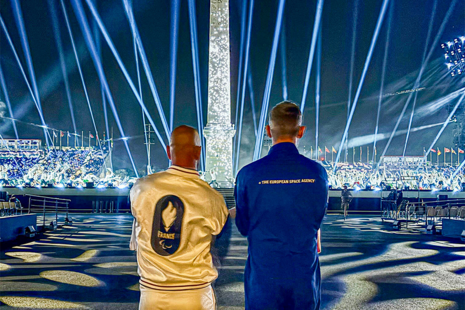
(365, 265)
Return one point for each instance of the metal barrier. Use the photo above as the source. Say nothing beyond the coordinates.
(431, 209)
(49, 205)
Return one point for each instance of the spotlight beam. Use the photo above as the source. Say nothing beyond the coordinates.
(352, 62)
(104, 102)
(174, 34)
(383, 74)
(364, 72)
(244, 85)
(132, 23)
(417, 82)
(59, 43)
(459, 102)
(252, 100)
(316, 26)
(239, 75)
(7, 100)
(79, 10)
(269, 80)
(317, 90)
(81, 75)
(196, 69)
(125, 72)
(282, 51)
(39, 108)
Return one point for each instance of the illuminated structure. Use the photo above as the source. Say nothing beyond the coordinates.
(455, 55)
(219, 131)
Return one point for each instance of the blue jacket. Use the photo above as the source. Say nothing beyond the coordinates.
(281, 201)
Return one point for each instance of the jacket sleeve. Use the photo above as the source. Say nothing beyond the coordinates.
(242, 208)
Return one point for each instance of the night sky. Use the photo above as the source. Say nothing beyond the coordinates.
(409, 20)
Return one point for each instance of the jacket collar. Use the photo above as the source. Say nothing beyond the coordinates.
(184, 172)
(283, 148)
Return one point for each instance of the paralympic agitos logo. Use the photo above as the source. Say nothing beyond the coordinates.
(167, 225)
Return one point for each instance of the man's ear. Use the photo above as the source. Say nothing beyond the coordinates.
(197, 152)
(168, 152)
(301, 132)
(268, 131)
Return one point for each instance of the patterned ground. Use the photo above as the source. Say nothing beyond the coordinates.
(365, 265)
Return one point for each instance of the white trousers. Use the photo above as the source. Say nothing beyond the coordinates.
(200, 299)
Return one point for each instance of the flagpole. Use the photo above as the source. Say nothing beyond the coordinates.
(67, 139)
(311, 152)
(445, 157)
(89, 139)
(82, 140)
(325, 152)
(332, 155)
(458, 157)
(451, 156)
(353, 155)
(60, 140)
(360, 154)
(368, 154)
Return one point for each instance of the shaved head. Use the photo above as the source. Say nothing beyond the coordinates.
(185, 136)
(184, 149)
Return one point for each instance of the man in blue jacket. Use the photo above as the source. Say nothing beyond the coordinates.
(280, 202)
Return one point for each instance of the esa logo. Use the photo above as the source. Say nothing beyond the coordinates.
(167, 224)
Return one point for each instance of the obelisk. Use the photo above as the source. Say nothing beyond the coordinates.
(219, 131)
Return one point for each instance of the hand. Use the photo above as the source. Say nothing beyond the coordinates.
(232, 213)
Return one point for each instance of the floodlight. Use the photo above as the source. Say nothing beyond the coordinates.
(123, 186)
(59, 185)
(101, 185)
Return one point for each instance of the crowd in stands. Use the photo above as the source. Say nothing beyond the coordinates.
(70, 167)
(408, 176)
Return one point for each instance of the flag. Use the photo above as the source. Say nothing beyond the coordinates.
(62, 133)
(334, 150)
(439, 152)
(319, 150)
(446, 150)
(91, 135)
(453, 151)
(433, 150)
(461, 151)
(326, 150)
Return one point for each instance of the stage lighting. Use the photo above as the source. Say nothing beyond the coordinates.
(79, 186)
(455, 55)
(435, 189)
(101, 185)
(19, 186)
(357, 188)
(377, 188)
(456, 190)
(59, 185)
(123, 186)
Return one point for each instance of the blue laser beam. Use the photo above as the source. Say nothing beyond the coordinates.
(316, 26)
(383, 74)
(352, 63)
(7, 100)
(125, 72)
(81, 75)
(252, 100)
(174, 34)
(59, 43)
(196, 68)
(79, 10)
(269, 81)
(48, 138)
(282, 51)
(239, 74)
(417, 81)
(364, 72)
(430, 28)
(317, 89)
(244, 85)
(459, 102)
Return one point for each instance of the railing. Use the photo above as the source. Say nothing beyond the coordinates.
(431, 209)
(48, 205)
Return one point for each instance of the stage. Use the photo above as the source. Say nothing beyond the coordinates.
(365, 265)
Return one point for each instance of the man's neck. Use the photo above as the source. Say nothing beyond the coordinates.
(191, 166)
(285, 140)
